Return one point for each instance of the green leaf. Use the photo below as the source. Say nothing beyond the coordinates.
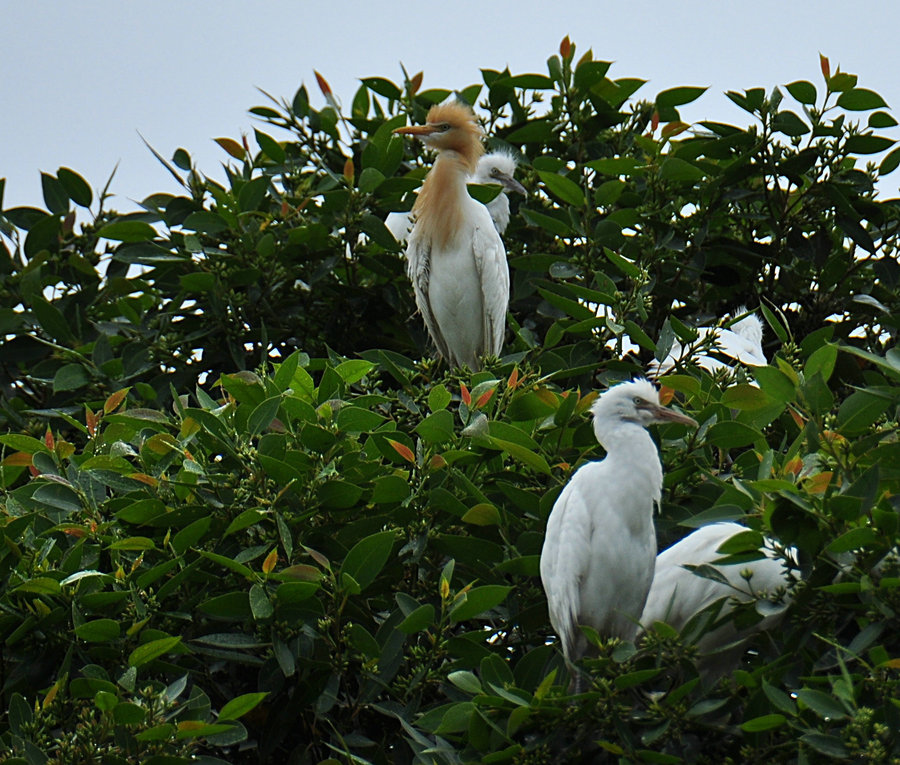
(775, 384)
(764, 722)
(239, 706)
(339, 494)
(367, 557)
(52, 321)
(675, 169)
(828, 745)
(252, 194)
(438, 398)
(437, 427)
(678, 96)
(745, 396)
(625, 266)
(868, 144)
(263, 414)
(419, 619)
(466, 681)
(859, 410)
(59, 496)
(205, 222)
(790, 124)
(824, 705)
(70, 377)
(354, 370)
(853, 540)
(99, 631)
(890, 162)
(524, 455)
(478, 600)
(860, 99)
(731, 435)
(76, 187)
(803, 91)
(127, 231)
(55, 196)
(147, 652)
(482, 514)
(270, 147)
(563, 187)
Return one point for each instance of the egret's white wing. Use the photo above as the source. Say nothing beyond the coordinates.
(493, 272)
(565, 560)
(418, 257)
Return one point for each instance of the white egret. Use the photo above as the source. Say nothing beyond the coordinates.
(742, 342)
(456, 259)
(498, 167)
(678, 594)
(600, 546)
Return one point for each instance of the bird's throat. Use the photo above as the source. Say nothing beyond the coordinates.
(440, 207)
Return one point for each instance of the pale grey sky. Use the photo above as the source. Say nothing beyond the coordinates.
(78, 80)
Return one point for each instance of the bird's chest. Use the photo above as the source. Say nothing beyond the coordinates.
(455, 285)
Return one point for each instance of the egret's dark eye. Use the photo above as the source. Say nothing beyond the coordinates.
(495, 172)
(638, 401)
(443, 127)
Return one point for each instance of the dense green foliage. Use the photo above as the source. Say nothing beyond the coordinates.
(247, 519)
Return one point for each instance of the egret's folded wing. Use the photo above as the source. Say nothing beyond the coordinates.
(565, 560)
(418, 257)
(493, 272)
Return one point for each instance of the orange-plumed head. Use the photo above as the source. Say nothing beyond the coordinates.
(451, 127)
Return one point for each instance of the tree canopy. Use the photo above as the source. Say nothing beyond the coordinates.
(248, 519)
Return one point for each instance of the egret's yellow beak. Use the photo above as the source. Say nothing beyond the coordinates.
(415, 130)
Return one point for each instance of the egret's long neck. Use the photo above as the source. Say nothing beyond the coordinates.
(631, 450)
(442, 199)
(498, 207)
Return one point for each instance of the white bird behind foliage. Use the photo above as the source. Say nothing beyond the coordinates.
(498, 167)
(600, 545)
(677, 594)
(742, 342)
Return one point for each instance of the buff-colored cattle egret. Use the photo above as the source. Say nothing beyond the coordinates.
(600, 546)
(456, 259)
(498, 167)
(678, 594)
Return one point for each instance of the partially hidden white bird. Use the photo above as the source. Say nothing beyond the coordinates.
(455, 257)
(678, 594)
(742, 342)
(497, 167)
(600, 546)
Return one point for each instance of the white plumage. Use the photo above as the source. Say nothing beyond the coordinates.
(600, 546)
(742, 342)
(498, 167)
(456, 259)
(677, 594)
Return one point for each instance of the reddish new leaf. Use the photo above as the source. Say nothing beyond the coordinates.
(484, 398)
(464, 394)
(323, 84)
(826, 67)
(231, 146)
(114, 400)
(403, 450)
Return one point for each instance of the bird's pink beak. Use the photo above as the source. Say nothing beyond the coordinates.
(664, 415)
(415, 130)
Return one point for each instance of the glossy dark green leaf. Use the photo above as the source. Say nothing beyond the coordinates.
(367, 558)
(860, 99)
(478, 600)
(76, 187)
(128, 231)
(803, 91)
